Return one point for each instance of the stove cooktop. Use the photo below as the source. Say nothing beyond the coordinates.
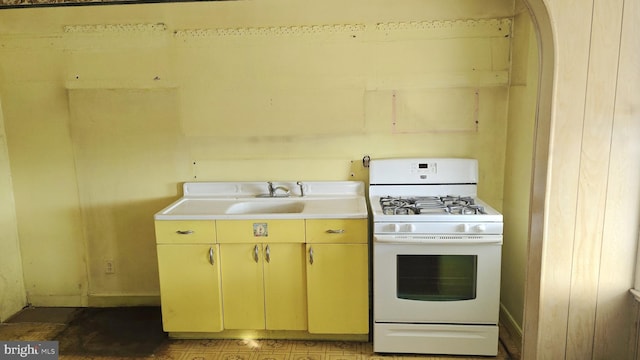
(444, 208)
(431, 205)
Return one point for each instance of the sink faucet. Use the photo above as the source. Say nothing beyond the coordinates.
(301, 188)
(273, 191)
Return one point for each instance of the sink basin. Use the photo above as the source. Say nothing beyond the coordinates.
(250, 207)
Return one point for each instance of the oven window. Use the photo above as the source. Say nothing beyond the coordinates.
(437, 277)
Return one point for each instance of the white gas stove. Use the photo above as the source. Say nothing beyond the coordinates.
(437, 253)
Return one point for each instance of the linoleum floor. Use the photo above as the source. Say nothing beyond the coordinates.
(136, 333)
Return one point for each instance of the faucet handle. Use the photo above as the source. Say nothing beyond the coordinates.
(301, 188)
(270, 188)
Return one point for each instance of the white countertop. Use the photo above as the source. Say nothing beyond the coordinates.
(240, 200)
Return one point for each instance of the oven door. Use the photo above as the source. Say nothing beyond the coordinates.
(436, 278)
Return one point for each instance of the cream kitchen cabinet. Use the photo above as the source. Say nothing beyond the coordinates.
(337, 276)
(189, 270)
(234, 263)
(263, 270)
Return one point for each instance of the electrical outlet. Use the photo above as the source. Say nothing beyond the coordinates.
(109, 267)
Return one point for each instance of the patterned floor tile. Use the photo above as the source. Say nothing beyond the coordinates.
(274, 356)
(343, 347)
(276, 346)
(200, 354)
(168, 355)
(367, 348)
(237, 355)
(198, 344)
(308, 356)
(371, 356)
(343, 356)
(241, 345)
(309, 346)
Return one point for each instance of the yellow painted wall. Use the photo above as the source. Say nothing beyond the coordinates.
(108, 109)
(12, 293)
(518, 166)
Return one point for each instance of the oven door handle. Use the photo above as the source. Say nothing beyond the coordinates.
(439, 239)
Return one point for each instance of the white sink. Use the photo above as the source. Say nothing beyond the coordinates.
(238, 201)
(266, 207)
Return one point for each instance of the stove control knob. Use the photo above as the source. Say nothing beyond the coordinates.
(394, 227)
(465, 227)
(410, 228)
(481, 227)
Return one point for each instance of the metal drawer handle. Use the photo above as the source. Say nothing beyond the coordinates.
(185, 232)
(311, 255)
(268, 254)
(338, 231)
(255, 253)
(211, 256)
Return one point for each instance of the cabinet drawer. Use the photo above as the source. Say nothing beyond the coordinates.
(261, 231)
(185, 232)
(336, 231)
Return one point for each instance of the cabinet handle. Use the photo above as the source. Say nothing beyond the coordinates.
(337, 231)
(268, 254)
(211, 256)
(311, 255)
(255, 253)
(184, 232)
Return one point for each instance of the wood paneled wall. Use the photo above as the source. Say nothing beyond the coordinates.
(591, 212)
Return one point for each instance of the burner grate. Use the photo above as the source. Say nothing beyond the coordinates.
(430, 205)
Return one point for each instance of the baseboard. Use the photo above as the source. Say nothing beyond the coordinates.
(94, 300)
(510, 332)
(109, 300)
(57, 300)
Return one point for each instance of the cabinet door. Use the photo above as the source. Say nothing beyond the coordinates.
(242, 286)
(285, 287)
(190, 288)
(337, 288)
